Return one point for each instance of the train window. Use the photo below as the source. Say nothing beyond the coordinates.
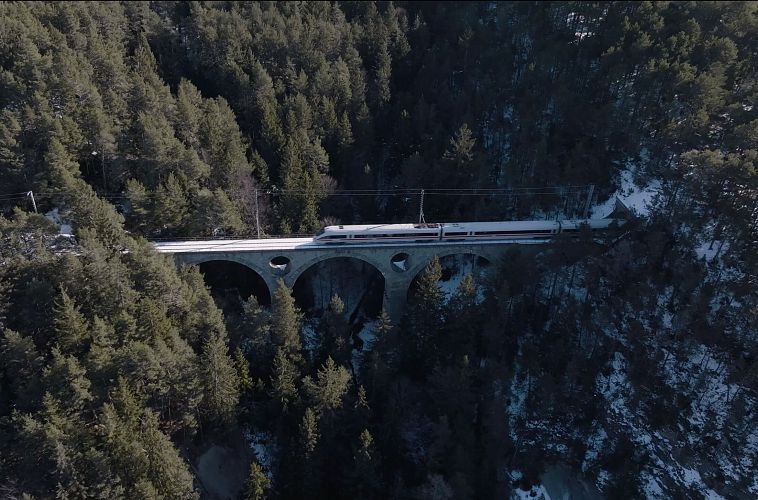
(514, 233)
(456, 233)
(334, 237)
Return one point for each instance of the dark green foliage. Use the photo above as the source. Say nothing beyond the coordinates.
(257, 483)
(173, 119)
(285, 322)
(326, 391)
(425, 319)
(284, 375)
(102, 375)
(366, 473)
(70, 326)
(335, 341)
(219, 380)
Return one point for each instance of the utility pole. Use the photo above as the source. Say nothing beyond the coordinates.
(34, 203)
(257, 221)
(421, 209)
(590, 192)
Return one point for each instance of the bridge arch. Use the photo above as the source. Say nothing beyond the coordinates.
(467, 261)
(356, 278)
(420, 264)
(222, 273)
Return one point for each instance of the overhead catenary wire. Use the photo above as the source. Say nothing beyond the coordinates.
(561, 190)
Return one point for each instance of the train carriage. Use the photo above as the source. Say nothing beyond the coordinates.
(387, 233)
(454, 231)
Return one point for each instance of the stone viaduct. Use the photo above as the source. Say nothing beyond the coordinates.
(398, 264)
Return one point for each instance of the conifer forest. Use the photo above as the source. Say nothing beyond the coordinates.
(618, 365)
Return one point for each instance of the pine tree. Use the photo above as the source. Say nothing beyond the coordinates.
(157, 146)
(71, 327)
(5, 289)
(283, 377)
(22, 366)
(460, 151)
(285, 322)
(383, 331)
(309, 479)
(222, 141)
(309, 434)
(366, 478)
(189, 113)
(216, 215)
(171, 206)
(140, 204)
(257, 483)
(331, 384)
(425, 319)
(66, 381)
(336, 339)
(242, 366)
(383, 72)
(219, 381)
(145, 457)
(256, 332)
(166, 470)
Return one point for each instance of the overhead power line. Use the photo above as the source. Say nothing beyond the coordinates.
(551, 190)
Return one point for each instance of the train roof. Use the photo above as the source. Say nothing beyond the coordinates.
(503, 225)
(462, 226)
(381, 227)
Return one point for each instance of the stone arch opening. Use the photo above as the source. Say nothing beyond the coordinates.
(400, 262)
(280, 265)
(359, 284)
(231, 283)
(454, 267)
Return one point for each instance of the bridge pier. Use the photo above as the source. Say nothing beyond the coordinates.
(395, 293)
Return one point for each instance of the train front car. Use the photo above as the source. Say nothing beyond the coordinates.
(330, 234)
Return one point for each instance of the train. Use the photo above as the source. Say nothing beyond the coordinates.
(456, 231)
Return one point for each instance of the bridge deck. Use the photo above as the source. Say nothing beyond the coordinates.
(308, 244)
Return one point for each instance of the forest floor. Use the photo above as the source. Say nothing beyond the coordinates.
(222, 468)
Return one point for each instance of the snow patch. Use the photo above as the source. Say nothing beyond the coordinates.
(367, 336)
(594, 446)
(265, 448)
(64, 228)
(651, 487)
(462, 268)
(537, 492)
(637, 199)
(310, 338)
(709, 250)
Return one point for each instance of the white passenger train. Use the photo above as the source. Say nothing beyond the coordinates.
(455, 231)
